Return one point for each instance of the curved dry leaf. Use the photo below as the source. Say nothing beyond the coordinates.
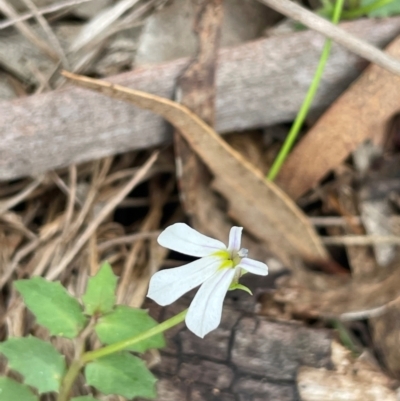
(260, 206)
(343, 299)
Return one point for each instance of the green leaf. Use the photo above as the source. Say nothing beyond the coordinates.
(84, 398)
(53, 307)
(10, 390)
(100, 292)
(36, 360)
(125, 322)
(121, 374)
(237, 286)
(384, 11)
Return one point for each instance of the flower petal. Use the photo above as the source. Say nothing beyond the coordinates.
(235, 238)
(166, 286)
(205, 310)
(181, 238)
(253, 266)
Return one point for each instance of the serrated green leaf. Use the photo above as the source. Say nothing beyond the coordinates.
(53, 307)
(121, 374)
(100, 291)
(384, 11)
(10, 390)
(125, 322)
(84, 398)
(36, 360)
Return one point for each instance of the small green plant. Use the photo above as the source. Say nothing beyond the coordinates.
(124, 332)
(45, 370)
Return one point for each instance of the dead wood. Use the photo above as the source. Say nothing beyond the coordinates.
(247, 357)
(258, 84)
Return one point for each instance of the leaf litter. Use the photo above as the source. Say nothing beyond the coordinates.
(285, 228)
(61, 225)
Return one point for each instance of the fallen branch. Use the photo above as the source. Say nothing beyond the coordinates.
(258, 84)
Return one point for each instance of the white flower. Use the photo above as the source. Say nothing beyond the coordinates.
(218, 270)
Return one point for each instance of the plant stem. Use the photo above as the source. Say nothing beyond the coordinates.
(121, 345)
(69, 380)
(77, 364)
(364, 10)
(302, 114)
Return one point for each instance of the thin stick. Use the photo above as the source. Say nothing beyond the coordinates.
(42, 11)
(107, 209)
(99, 25)
(334, 221)
(368, 313)
(27, 31)
(24, 251)
(13, 201)
(127, 239)
(14, 221)
(364, 314)
(63, 187)
(357, 46)
(73, 174)
(48, 31)
(361, 240)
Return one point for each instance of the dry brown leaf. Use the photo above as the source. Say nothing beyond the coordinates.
(335, 298)
(260, 206)
(362, 112)
(196, 91)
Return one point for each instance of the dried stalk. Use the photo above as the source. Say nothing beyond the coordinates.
(107, 209)
(319, 24)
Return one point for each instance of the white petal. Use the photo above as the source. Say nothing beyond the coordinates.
(235, 238)
(253, 266)
(166, 286)
(181, 238)
(205, 310)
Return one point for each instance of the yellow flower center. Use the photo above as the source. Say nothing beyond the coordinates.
(230, 259)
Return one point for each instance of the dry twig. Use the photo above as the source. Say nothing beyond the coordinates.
(354, 44)
(13, 201)
(48, 31)
(27, 31)
(361, 240)
(42, 11)
(107, 209)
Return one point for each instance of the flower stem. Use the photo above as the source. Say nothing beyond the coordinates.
(77, 364)
(302, 114)
(121, 345)
(364, 10)
(69, 380)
